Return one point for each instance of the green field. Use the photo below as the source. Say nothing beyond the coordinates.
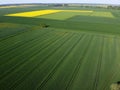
(78, 51)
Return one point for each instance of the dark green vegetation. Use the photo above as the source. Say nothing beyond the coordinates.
(79, 53)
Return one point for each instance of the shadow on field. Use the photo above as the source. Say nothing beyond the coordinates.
(69, 25)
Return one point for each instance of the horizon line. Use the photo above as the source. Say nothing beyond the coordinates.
(62, 3)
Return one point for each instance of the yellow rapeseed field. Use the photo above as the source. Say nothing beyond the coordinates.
(34, 13)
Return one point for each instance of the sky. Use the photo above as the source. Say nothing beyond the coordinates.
(60, 1)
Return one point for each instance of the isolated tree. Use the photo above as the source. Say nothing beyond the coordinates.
(42, 25)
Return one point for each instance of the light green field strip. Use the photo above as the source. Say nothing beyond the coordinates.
(65, 14)
(59, 16)
(81, 11)
(17, 6)
(69, 14)
(102, 14)
(8, 6)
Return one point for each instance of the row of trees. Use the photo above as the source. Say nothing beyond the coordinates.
(114, 7)
(88, 6)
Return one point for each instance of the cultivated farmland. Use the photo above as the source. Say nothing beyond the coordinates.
(78, 50)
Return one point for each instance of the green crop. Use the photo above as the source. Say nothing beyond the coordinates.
(77, 51)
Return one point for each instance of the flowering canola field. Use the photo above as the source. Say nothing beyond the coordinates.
(34, 13)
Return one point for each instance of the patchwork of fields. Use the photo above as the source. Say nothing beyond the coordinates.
(78, 51)
(61, 14)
